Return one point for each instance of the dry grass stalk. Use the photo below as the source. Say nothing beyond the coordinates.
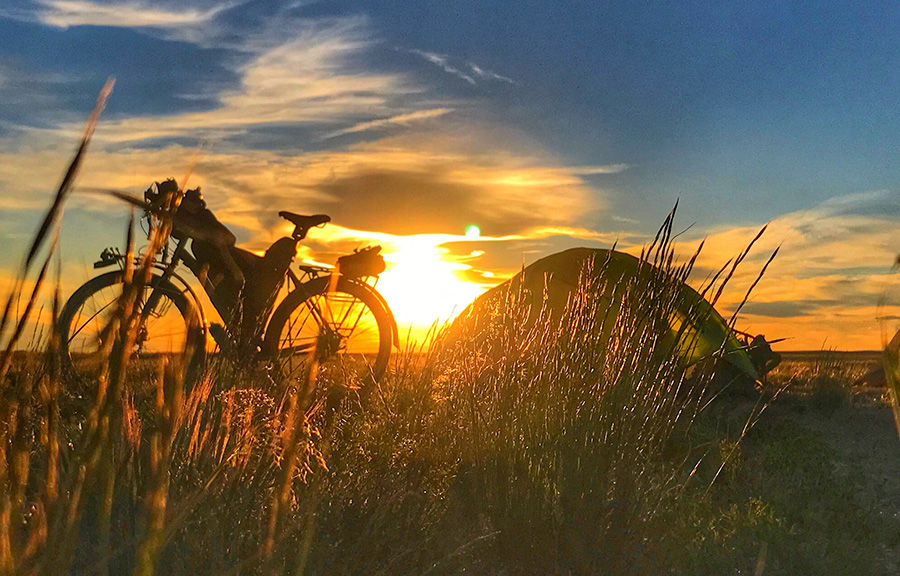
(50, 223)
(169, 403)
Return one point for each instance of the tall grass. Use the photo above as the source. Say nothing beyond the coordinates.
(522, 447)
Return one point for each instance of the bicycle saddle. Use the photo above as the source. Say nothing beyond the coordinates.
(304, 223)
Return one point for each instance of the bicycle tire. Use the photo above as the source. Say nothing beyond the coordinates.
(90, 308)
(347, 348)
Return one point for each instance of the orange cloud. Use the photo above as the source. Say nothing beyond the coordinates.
(831, 281)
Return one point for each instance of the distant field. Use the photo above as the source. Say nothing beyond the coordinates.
(806, 370)
(821, 355)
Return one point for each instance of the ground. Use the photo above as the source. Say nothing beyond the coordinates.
(851, 432)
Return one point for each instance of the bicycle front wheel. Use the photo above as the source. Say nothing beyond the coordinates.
(172, 327)
(347, 331)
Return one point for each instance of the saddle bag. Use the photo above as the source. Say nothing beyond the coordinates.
(365, 262)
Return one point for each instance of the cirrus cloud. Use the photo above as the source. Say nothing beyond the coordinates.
(66, 13)
(832, 275)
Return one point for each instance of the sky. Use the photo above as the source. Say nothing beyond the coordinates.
(547, 125)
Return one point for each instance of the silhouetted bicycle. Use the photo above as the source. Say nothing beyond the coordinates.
(334, 316)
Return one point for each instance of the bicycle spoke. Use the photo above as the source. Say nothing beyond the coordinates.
(94, 315)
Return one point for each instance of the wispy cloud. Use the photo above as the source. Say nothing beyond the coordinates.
(398, 120)
(488, 75)
(444, 64)
(293, 71)
(474, 74)
(308, 77)
(23, 89)
(66, 13)
(595, 170)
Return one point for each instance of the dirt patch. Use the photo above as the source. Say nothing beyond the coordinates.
(865, 439)
(866, 455)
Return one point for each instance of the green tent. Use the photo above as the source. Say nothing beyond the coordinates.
(696, 331)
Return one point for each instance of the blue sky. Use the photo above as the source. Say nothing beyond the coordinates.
(548, 124)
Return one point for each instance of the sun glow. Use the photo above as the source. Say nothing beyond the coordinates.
(424, 283)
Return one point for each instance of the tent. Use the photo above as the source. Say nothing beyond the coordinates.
(696, 331)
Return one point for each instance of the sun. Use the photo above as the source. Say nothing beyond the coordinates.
(422, 285)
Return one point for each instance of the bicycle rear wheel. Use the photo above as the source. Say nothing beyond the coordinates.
(348, 331)
(172, 327)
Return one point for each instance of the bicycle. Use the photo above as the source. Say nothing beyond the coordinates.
(334, 316)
